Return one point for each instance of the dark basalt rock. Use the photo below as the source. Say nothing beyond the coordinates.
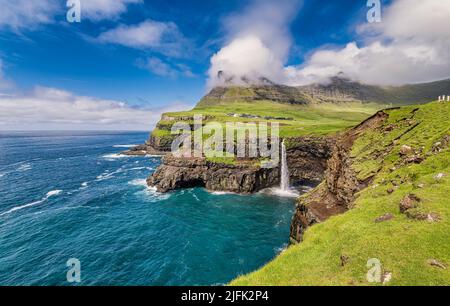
(176, 173)
(306, 158)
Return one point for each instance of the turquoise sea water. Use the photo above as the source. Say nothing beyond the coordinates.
(69, 195)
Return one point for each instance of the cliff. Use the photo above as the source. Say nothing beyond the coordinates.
(306, 157)
(384, 199)
(337, 193)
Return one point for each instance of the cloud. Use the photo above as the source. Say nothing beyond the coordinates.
(29, 14)
(257, 43)
(104, 9)
(49, 108)
(21, 14)
(163, 37)
(5, 84)
(161, 68)
(410, 45)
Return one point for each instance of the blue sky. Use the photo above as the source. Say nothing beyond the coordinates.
(58, 55)
(106, 58)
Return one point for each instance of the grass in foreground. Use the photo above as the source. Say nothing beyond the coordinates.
(403, 246)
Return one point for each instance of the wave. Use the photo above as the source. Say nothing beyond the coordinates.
(24, 167)
(46, 197)
(114, 156)
(139, 182)
(281, 249)
(140, 168)
(108, 175)
(52, 193)
(151, 193)
(125, 146)
(222, 193)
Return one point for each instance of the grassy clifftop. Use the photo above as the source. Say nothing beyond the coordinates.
(295, 120)
(408, 158)
(318, 109)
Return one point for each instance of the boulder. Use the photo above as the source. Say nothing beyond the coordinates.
(405, 150)
(409, 202)
(383, 218)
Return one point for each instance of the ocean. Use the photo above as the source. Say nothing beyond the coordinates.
(67, 195)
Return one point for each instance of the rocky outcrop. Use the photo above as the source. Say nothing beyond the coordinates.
(307, 160)
(142, 150)
(336, 193)
(160, 144)
(176, 173)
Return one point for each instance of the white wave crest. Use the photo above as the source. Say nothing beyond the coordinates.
(125, 146)
(48, 195)
(24, 167)
(108, 175)
(52, 193)
(222, 193)
(114, 156)
(150, 193)
(139, 182)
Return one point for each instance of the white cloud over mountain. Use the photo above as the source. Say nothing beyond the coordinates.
(257, 43)
(49, 108)
(410, 45)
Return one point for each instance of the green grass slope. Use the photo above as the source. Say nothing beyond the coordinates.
(404, 246)
(304, 119)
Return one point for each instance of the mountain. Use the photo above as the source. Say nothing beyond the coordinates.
(318, 109)
(338, 90)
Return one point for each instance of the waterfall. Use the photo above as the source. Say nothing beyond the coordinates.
(284, 169)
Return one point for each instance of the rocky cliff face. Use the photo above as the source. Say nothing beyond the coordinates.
(306, 157)
(176, 173)
(336, 193)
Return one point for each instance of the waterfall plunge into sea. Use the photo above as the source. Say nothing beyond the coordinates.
(284, 170)
(285, 189)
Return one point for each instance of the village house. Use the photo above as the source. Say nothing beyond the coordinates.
(444, 98)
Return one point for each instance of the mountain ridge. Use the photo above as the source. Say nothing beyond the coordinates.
(338, 90)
